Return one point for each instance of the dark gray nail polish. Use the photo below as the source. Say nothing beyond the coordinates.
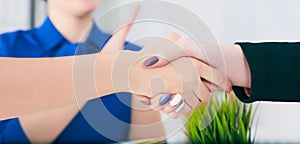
(151, 61)
(165, 99)
(144, 102)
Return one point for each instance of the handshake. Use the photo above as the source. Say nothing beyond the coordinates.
(171, 74)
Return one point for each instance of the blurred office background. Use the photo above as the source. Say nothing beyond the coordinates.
(230, 21)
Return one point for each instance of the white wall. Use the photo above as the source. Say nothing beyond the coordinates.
(14, 14)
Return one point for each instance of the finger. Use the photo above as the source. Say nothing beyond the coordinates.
(172, 105)
(202, 93)
(144, 99)
(184, 47)
(182, 109)
(211, 87)
(213, 76)
(192, 48)
(191, 100)
(164, 55)
(160, 101)
(169, 109)
(118, 39)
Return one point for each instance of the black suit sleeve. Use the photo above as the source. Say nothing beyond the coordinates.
(275, 72)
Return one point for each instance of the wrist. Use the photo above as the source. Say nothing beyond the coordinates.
(103, 71)
(111, 70)
(236, 65)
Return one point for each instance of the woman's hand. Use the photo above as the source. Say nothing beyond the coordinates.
(171, 77)
(183, 79)
(233, 63)
(176, 104)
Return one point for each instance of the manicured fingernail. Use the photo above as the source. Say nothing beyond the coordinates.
(165, 99)
(176, 100)
(145, 103)
(180, 107)
(151, 61)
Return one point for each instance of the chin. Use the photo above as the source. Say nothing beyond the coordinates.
(87, 6)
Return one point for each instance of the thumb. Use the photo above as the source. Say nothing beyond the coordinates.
(118, 39)
(165, 55)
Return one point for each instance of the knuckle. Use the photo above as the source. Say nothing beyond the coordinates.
(204, 98)
(195, 103)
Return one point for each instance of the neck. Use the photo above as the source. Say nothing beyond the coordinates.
(74, 29)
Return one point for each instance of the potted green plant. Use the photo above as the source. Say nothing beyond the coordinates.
(221, 121)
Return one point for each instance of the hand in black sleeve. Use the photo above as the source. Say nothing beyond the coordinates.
(275, 72)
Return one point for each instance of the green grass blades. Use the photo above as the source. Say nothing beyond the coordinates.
(224, 120)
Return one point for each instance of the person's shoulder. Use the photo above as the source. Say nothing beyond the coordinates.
(13, 40)
(10, 38)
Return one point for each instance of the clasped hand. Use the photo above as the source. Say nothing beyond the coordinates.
(174, 88)
(175, 81)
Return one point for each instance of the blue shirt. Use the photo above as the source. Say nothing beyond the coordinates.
(46, 41)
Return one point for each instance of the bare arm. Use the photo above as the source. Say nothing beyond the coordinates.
(45, 126)
(33, 85)
(236, 65)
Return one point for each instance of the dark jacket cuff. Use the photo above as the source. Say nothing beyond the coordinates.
(275, 72)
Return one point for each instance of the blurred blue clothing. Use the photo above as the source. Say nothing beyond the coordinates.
(46, 41)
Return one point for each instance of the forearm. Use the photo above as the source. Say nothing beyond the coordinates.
(44, 127)
(33, 85)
